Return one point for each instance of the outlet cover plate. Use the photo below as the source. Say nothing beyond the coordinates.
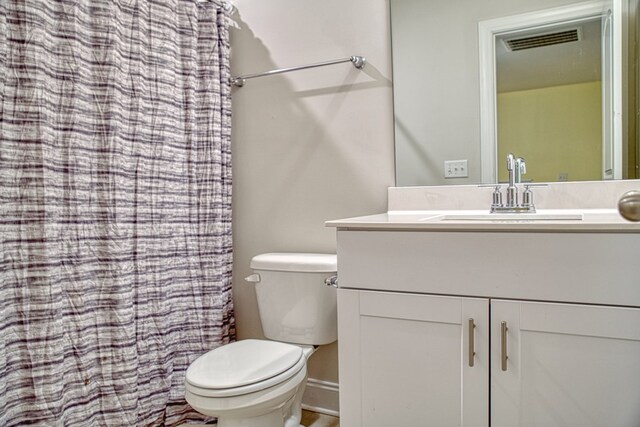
(456, 169)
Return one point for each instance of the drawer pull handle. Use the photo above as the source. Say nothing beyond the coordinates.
(472, 349)
(503, 345)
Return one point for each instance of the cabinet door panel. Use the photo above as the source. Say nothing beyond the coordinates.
(568, 365)
(413, 366)
(410, 369)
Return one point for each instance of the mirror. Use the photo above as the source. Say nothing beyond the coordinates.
(440, 53)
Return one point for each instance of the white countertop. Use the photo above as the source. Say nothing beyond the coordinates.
(594, 220)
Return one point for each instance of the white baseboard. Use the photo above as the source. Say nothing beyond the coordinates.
(321, 396)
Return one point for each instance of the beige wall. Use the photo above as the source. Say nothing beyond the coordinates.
(533, 124)
(307, 146)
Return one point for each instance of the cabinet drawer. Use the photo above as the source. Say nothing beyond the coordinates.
(600, 268)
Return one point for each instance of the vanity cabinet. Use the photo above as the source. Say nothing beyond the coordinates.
(424, 360)
(552, 321)
(566, 365)
(403, 356)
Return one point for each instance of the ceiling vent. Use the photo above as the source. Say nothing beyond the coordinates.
(541, 40)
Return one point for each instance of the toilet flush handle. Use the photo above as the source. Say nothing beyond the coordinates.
(331, 281)
(254, 278)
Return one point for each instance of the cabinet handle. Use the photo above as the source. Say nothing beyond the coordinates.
(472, 348)
(503, 345)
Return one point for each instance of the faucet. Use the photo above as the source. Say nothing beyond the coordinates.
(512, 190)
(516, 168)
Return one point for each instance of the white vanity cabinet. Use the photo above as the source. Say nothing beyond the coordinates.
(566, 365)
(556, 332)
(404, 359)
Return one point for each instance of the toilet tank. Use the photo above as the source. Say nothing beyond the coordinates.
(295, 304)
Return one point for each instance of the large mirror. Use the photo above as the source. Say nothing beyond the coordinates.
(475, 79)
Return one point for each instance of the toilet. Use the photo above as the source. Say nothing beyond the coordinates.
(259, 383)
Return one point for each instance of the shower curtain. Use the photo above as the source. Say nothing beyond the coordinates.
(115, 207)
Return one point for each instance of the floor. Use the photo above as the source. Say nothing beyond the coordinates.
(314, 419)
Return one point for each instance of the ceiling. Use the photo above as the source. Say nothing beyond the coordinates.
(561, 64)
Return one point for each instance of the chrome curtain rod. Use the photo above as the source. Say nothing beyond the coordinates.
(226, 5)
(358, 62)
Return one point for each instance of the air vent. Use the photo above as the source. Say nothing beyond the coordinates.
(541, 40)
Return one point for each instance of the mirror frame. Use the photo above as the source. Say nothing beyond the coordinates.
(487, 32)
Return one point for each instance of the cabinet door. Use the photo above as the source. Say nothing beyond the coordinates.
(404, 360)
(567, 365)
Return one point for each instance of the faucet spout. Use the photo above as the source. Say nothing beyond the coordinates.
(511, 166)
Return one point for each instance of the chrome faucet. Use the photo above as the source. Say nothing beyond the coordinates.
(512, 190)
(516, 168)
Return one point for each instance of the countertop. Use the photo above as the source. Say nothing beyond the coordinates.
(593, 220)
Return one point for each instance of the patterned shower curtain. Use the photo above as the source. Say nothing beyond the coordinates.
(115, 207)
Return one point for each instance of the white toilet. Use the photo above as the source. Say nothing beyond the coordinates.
(259, 383)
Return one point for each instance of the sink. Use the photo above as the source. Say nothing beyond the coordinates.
(506, 217)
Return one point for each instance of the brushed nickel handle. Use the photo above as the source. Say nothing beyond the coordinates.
(472, 348)
(503, 345)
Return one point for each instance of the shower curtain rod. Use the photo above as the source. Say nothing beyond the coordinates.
(358, 62)
(226, 5)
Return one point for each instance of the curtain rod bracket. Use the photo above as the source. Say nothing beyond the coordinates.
(357, 61)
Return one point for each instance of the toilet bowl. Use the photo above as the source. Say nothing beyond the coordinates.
(260, 383)
(250, 383)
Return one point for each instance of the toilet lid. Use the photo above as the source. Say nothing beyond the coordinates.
(242, 363)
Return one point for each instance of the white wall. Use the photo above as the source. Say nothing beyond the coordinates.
(307, 146)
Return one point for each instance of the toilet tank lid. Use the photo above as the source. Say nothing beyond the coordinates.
(301, 262)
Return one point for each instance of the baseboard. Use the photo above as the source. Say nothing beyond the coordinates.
(321, 396)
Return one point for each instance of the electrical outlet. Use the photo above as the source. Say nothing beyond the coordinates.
(456, 169)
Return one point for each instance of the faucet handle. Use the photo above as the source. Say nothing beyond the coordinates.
(527, 198)
(496, 198)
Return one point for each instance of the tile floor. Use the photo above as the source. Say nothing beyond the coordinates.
(314, 419)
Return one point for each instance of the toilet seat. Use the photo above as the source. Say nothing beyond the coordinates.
(244, 367)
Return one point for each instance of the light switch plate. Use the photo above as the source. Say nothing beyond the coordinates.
(456, 169)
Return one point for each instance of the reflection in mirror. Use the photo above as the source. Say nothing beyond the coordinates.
(437, 86)
(549, 101)
(556, 76)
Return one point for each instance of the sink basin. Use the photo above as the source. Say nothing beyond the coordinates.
(506, 217)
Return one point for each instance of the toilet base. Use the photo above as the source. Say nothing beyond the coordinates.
(280, 406)
(268, 420)
(277, 406)
(288, 415)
